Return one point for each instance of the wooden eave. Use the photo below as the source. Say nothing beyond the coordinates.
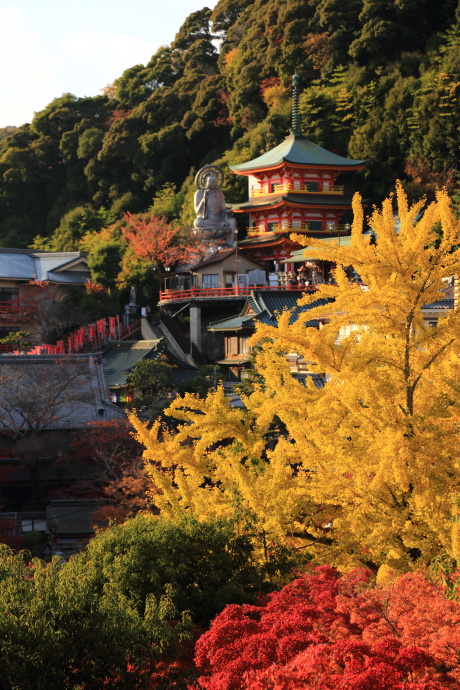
(274, 243)
(270, 205)
(292, 166)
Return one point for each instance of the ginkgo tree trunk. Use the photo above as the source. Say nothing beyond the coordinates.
(365, 470)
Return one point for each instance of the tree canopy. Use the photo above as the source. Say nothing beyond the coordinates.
(364, 470)
(62, 628)
(380, 82)
(322, 631)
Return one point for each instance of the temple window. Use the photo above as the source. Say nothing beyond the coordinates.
(210, 280)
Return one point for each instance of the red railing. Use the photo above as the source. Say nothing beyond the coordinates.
(129, 330)
(13, 308)
(9, 349)
(169, 295)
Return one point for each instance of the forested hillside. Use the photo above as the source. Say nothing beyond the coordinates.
(380, 80)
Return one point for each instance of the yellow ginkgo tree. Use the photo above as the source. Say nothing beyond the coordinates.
(366, 469)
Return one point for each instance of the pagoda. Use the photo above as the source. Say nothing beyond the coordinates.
(292, 188)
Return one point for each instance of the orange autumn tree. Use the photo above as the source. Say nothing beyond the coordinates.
(152, 240)
(155, 239)
(365, 470)
(125, 252)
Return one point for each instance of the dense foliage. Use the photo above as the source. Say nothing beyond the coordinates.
(206, 564)
(365, 469)
(327, 632)
(63, 626)
(116, 614)
(380, 82)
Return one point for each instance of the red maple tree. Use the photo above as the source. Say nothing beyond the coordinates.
(325, 632)
(153, 238)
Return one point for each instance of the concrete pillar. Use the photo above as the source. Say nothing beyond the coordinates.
(195, 326)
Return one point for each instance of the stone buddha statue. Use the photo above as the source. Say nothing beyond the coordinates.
(213, 219)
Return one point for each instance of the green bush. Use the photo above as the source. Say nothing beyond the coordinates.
(60, 630)
(206, 564)
(109, 617)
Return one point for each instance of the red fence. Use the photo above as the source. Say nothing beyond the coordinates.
(169, 295)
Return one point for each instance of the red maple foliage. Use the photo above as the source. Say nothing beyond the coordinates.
(268, 83)
(153, 238)
(95, 288)
(326, 632)
(120, 114)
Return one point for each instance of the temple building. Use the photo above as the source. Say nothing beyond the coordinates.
(293, 188)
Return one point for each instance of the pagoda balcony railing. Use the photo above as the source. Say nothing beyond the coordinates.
(297, 189)
(241, 291)
(255, 231)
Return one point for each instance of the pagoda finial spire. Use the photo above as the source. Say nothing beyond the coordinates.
(295, 129)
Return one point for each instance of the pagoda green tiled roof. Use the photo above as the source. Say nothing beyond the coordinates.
(296, 149)
(266, 238)
(299, 254)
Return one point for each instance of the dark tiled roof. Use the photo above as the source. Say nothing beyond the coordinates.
(234, 323)
(267, 238)
(26, 264)
(263, 306)
(179, 375)
(319, 381)
(272, 200)
(274, 302)
(217, 256)
(40, 392)
(440, 304)
(120, 357)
